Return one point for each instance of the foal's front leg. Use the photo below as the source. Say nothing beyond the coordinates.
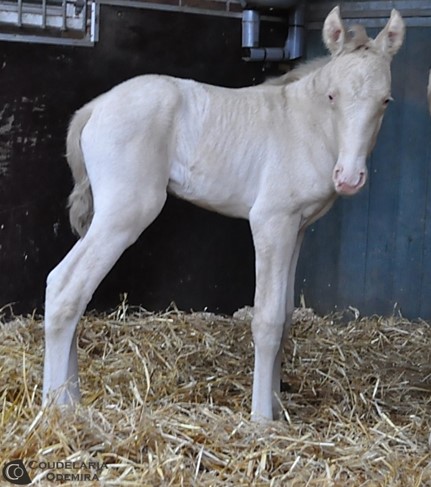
(275, 238)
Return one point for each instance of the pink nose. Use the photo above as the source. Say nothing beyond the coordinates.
(348, 186)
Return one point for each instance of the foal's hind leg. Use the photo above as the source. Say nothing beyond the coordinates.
(71, 284)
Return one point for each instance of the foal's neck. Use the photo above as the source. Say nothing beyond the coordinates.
(308, 98)
(310, 95)
(312, 86)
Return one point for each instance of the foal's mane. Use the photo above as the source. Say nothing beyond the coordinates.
(357, 39)
(299, 71)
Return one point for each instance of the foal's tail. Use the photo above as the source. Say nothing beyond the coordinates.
(81, 199)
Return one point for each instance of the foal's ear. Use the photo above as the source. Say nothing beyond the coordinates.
(391, 37)
(334, 32)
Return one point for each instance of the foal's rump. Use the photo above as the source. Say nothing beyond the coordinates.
(120, 142)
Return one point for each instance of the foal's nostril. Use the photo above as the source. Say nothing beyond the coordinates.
(337, 172)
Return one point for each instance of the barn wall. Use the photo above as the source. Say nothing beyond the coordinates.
(371, 252)
(188, 255)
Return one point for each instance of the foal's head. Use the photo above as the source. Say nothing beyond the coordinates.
(357, 89)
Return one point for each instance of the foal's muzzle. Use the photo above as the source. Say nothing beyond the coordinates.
(349, 182)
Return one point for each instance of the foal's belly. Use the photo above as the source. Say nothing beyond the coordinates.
(211, 189)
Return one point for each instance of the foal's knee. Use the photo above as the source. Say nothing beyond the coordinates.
(268, 331)
(60, 319)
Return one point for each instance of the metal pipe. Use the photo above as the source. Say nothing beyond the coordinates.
(296, 36)
(64, 22)
(293, 47)
(94, 21)
(43, 14)
(84, 16)
(265, 54)
(19, 16)
(250, 28)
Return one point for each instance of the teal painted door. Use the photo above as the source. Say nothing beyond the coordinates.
(373, 251)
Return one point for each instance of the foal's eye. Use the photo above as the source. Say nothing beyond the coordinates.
(331, 97)
(387, 100)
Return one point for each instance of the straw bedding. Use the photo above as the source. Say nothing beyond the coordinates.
(166, 400)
